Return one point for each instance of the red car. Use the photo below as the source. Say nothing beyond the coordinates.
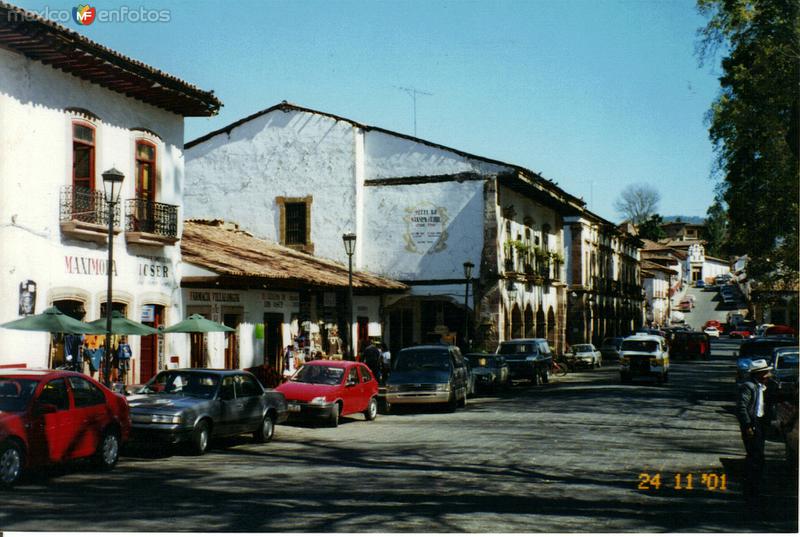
(55, 416)
(326, 389)
(780, 330)
(740, 334)
(713, 322)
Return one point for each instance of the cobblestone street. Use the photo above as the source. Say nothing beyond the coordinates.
(558, 458)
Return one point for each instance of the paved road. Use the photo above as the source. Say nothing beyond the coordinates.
(708, 305)
(558, 458)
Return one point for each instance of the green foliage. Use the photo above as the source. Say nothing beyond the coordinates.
(754, 128)
(651, 228)
(715, 232)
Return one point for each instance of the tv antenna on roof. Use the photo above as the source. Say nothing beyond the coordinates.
(413, 92)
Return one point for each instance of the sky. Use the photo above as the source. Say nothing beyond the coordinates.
(592, 94)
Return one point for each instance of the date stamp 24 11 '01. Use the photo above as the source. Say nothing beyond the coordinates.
(683, 481)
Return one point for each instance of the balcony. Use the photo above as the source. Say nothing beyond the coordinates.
(84, 214)
(150, 223)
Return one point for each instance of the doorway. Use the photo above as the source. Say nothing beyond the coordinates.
(72, 308)
(232, 319)
(362, 333)
(149, 362)
(273, 339)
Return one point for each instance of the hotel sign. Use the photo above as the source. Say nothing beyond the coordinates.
(91, 266)
(426, 228)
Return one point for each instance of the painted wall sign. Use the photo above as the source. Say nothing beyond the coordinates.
(280, 301)
(148, 313)
(209, 296)
(87, 265)
(426, 227)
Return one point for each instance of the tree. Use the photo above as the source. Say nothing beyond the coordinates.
(754, 128)
(715, 232)
(651, 228)
(637, 202)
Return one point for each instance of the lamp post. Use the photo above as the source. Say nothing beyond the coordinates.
(511, 291)
(349, 240)
(112, 186)
(468, 266)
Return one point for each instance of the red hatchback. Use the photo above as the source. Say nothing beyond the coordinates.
(54, 416)
(326, 389)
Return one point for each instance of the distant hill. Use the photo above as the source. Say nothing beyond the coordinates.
(686, 219)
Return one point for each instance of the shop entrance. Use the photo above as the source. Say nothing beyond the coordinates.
(149, 363)
(197, 342)
(362, 333)
(231, 319)
(273, 339)
(77, 310)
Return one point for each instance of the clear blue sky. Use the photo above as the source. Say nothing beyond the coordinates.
(593, 94)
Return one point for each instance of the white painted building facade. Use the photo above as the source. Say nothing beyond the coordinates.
(58, 133)
(419, 210)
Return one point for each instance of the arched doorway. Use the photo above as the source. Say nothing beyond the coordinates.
(540, 324)
(530, 327)
(516, 322)
(551, 326)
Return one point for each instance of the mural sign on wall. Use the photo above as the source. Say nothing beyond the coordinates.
(426, 227)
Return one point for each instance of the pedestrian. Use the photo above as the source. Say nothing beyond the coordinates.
(386, 359)
(288, 362)
(752, 409)
(372, 358)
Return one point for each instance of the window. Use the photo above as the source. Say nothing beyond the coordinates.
(145, 170)
(83, 153)
(352, 376)
(366, 376)
(295, 223)
(247, 387)
(85, 393)
(55, 393)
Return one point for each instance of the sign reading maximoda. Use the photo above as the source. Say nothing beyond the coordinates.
(91, 266)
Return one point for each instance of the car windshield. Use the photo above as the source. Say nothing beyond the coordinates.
(416, 359)
(787, 361)
(189, 383)
(319, 374)
(639, 345)
(15, 393)
(516, 348)
(582, 348)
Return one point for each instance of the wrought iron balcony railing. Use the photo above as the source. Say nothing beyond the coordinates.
(151, 217)
(80, 204)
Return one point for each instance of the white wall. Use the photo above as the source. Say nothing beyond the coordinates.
(36, 161)
(237, 176)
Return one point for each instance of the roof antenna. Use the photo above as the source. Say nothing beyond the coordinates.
(413, 92)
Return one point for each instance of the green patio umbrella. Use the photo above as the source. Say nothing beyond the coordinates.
(197, 324)
(123, 326)
(54, 321)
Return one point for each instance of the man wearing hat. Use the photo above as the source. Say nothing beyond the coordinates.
(751, 409)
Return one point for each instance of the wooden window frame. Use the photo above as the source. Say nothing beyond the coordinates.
(92, 146)
(154, 162)
(282, 201)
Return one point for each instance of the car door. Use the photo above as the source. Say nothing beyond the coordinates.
(459, 373)
(365, 392)
(229, 407)
(52, 423)
(251, 404)
(90, 416)
(351, 391)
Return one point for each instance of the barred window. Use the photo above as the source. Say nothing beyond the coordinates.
(295, 223)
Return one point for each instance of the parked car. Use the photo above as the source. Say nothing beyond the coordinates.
(644, 355)
(585, 354)
(758, 348)
(739, 334)
(609, 349)
(326, 390)
(712, 322)
(690, 345)
(194, 405)
(780, 330)
(527, 358)
(684, 305)
(428, 374)
(489, 371)
(49, 417)
(700, 284)
(711, 331)
(785, 362)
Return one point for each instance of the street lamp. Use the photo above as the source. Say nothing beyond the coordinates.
(112, 186)
(349, 240)
(468, 266)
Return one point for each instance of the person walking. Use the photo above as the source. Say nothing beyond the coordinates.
(386, 359)
(752, 409)
(372, 359)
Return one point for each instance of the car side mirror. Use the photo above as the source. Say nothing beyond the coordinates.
(46, 408)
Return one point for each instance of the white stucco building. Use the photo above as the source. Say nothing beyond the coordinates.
(69, 110)
(303, 178)
(658, 280)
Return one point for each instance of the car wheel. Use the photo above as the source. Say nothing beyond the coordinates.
(372, 409)
(387, 407)
(11, 464)
(266, 431)
(333, 419)
(200, 437)
(107, 453)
